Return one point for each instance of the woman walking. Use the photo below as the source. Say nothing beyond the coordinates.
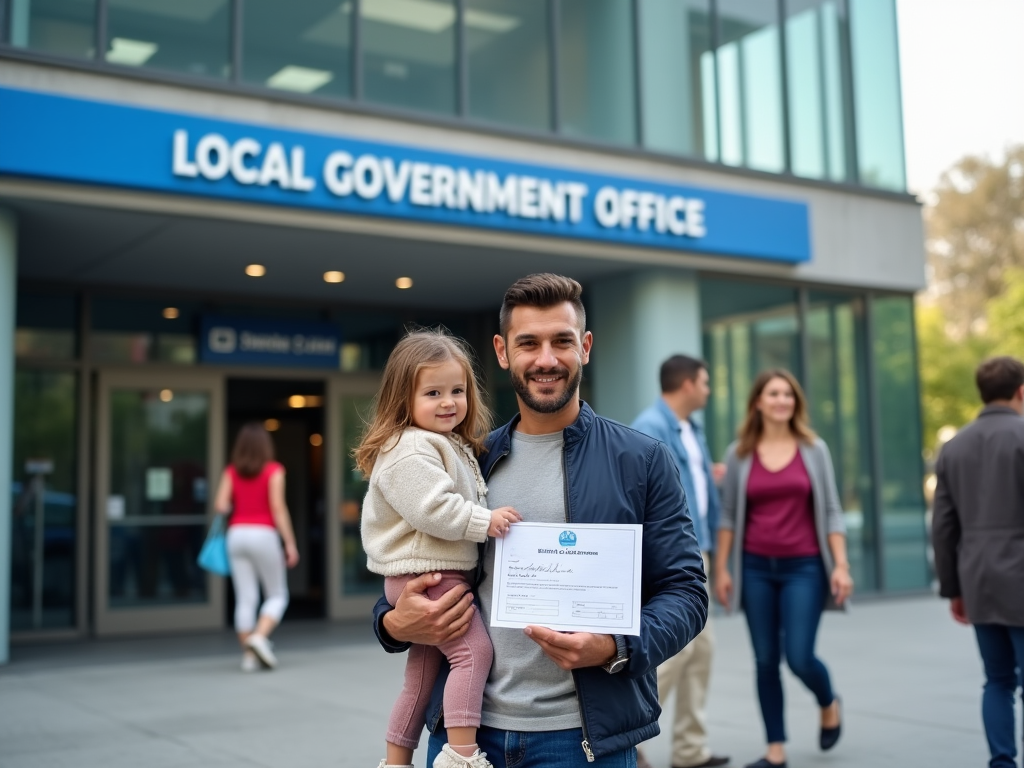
(252, 491)
(782, 527)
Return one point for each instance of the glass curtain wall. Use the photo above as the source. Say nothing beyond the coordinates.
(59, 27)
(509, 62)
(677, 77)
(300, 47)
(597, 87)
(815, 77)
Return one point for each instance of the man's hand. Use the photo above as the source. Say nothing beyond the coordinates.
(418, 619)
(573, 650)
(956, 607)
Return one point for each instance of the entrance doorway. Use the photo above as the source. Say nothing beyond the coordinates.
(293, 413)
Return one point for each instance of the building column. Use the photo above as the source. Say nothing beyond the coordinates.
(8, 296)
(638, 321)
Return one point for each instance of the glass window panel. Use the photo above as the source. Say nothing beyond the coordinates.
(303, 47)
(60, 27)
(750, 84)
(814, 63)
(876, 93)
(904, 534)
(409, 53)
(509, 66)
(675, 43)
(837, 397)
(355, 578)
(46, 326)
(597, 70)
(43, 526)
(141, 331)
(192, 37)
(159, 489)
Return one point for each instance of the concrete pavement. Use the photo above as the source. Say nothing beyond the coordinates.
(910, 680)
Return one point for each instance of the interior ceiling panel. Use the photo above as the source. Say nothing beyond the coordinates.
(97, 246)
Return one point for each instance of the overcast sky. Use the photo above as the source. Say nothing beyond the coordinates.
(962, 64)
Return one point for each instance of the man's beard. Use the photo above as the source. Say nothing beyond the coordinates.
(522, 388)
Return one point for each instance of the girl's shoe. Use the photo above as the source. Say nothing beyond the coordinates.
(829, 736)
(249, 662)
(449, 758)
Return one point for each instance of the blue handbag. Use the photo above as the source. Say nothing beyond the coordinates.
(213, 557)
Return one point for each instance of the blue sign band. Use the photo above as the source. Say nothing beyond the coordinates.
(61, 138)
(254, 341)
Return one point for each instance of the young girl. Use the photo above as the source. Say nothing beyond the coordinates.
(423, 513)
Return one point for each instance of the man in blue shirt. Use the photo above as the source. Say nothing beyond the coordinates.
(685, 390)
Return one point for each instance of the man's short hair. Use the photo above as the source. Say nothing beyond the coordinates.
(542, 290)
(680, 368)
(999, 378)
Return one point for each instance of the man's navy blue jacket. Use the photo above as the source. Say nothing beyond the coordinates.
(614, 474)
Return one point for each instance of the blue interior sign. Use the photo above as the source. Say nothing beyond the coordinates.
(256, 341)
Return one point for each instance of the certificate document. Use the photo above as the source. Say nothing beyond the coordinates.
(568, 577)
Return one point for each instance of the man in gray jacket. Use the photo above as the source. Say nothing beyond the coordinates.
(978, 535)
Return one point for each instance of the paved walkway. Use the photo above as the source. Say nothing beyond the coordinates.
(910, 679)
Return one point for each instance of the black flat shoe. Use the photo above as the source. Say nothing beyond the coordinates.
(830, 736)
(765, 763)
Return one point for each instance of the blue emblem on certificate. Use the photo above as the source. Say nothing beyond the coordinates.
(567, 539)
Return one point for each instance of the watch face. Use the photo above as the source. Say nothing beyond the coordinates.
(617, 665)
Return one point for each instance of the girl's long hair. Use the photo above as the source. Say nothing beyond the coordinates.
(392, 407)
(752, 428)
(252, 450)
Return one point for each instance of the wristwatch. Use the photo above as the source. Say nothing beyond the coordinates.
(621, 659)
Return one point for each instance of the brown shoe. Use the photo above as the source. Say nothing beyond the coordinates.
(641, 761)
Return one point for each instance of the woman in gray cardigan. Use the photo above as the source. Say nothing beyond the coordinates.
(782, 528)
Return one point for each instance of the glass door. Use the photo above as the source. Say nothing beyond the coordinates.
(159, 455)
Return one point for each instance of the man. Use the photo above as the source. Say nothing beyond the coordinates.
(978, 535)
(685, 390)
(556, 700)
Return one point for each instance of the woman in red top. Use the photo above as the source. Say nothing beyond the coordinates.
(782, 526)
(252, 491)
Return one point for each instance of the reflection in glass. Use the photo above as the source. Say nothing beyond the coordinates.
(156, 508)
(596, 70)
(876, 93)
(750, 85)
(837, 393)
(904, 533)
(300, 47)
(509, 67)
(46, 326)
(678, 100)
(190, 37)
(814, 75)
(409, 53)
(355, 578)
(138, 331)
(43, 526)
(60, 27)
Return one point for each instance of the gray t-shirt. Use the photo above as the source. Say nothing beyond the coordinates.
(526, 690)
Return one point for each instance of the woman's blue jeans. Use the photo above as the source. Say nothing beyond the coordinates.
(783, 598)
(1002, 652)
(535, 749)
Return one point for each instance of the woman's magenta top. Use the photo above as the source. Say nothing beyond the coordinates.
(780, 511)
(250, 496)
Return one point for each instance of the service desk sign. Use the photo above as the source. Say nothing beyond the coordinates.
(56, 137)
(257, 341)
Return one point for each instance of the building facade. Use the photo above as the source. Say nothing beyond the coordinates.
(215, 211)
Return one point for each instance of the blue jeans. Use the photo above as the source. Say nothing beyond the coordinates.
(1002, 653)
(783, 598)
(535, 749)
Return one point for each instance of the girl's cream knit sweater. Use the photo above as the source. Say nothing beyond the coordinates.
(423, 509)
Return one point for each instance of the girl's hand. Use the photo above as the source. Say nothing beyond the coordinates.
(841, 583)
(291, 555)
(723, 588)
(501, 519)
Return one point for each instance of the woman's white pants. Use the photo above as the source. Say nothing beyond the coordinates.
(257, 559)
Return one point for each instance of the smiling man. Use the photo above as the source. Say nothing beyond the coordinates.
(558, 699)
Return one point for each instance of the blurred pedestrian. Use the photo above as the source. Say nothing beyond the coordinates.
(251, 490)
(782, 524)
(684, 390)
(978, 535)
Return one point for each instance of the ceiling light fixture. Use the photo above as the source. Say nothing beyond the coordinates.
(166, 395)
(299, 79)
(271, 425)
(171, 313)
(334, 277)
(297, 401)
(131, 53)
(316, 440)
(255, 270)
(403, 283)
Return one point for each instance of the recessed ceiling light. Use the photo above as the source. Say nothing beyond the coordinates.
(255, 270)
(421, 15)
(271, 425)
(132, 53)
(166, 395)
(403, 283)
(316, 440)
(334, 277)
(296, 401)
(171, 313)
(299, 79)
